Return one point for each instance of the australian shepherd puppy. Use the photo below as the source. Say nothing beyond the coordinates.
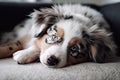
(59, 36)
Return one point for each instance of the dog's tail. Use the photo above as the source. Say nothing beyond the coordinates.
(7, 50)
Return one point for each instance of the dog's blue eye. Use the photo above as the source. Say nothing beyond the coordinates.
(74, 48)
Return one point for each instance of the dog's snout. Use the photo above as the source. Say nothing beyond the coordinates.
(52, 61)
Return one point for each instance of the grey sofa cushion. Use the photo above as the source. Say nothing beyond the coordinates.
(10, 70)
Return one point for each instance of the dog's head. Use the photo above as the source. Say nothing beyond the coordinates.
(68, 39)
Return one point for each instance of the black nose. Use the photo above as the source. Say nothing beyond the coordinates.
(52, 61)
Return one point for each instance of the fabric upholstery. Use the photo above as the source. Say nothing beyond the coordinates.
(10, 70)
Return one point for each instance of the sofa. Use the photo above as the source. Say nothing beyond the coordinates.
(12, 13)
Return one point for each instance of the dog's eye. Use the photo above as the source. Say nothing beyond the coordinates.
(53, 39)
(74, 48)
(77, 50)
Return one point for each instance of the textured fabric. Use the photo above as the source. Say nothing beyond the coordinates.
(10, 70)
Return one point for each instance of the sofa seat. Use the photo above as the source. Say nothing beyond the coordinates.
(10, 70)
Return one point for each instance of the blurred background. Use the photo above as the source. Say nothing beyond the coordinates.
(98, 2)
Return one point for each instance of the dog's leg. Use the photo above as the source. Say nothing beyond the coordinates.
(26, 56)
(8, 49)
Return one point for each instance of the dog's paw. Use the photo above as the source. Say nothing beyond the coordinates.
(21, 57)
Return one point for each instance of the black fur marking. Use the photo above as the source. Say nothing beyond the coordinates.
(81, 46)
(60, 40)
(90, 16)
(101, 24)
(18, 43)
(40, 34)
(51, 20)
(85, 13)
(68, 17)
(10, 48)
(94, 23)
(87, 38)
(46, 41)
(46, 18)
(101, 50)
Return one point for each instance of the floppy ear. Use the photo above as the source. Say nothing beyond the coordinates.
(42, 20)
(100, 44)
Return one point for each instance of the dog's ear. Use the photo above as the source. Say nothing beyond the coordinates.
(42, 20)
(99, 43)
(90, 49)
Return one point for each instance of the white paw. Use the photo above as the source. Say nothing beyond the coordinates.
(21, 57)
(25, 56)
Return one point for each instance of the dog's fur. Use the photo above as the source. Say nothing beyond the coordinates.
(62, 35)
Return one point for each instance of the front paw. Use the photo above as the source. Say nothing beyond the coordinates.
(21, 57)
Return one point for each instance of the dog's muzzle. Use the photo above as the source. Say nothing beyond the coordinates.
(53, 57)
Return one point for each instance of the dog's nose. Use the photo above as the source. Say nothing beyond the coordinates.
(52, 61)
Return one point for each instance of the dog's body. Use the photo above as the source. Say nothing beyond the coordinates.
(62, 35)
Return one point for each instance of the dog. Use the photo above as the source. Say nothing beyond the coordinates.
(60, 36)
